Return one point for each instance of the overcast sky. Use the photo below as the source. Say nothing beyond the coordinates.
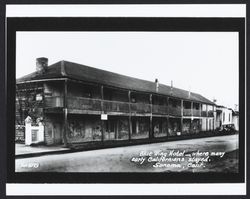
(204, 62)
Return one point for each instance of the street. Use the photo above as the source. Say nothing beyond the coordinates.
(216, 154)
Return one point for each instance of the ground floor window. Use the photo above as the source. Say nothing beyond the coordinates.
(186, 126)
(160, 127)
(140, 127)
(116, 129)
(84, 129)
(196, 126)
(174, 127)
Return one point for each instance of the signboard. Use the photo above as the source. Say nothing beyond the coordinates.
(104, 117)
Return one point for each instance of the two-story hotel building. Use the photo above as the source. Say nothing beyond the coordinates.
(79, 104)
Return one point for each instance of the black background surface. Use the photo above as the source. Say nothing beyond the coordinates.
(7, 113)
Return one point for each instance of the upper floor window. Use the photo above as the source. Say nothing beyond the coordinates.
(204, 107)
(196, 106)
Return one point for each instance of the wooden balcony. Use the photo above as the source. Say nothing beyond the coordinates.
(175, 111)
(140, 108)
(196, 112)
(159, 109)
(114, 106)
(187, 112)
(97, 105)
(84, 103)
(53, 102)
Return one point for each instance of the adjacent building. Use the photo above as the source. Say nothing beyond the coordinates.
(82, 104)
(226, 116)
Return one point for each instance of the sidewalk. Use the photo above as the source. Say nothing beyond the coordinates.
(29, 151)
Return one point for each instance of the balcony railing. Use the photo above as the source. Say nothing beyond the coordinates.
(196, 112)
(175, 110)
(160, 109)
(115, 106)
(82, 103)
(140, 108)
(187, 112)
(51, 102)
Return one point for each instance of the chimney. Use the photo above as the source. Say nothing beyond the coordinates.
(171, 87)
(41, 64)
(156, 85)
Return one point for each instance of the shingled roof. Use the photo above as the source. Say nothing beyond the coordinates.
(65, 69)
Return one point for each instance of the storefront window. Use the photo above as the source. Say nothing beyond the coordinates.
(140, 128)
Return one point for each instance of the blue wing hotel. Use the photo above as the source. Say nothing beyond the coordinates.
(82, 105)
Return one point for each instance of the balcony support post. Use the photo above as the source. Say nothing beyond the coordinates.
(168, 126)
(65, 111)
(129, 117)
(151, 118)
(102, 111)
(192, 117)
(200, 109)
(181, 124)
(206, 118)
(192, 109)
(182, 107)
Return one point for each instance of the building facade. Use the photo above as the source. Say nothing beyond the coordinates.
(81, 104)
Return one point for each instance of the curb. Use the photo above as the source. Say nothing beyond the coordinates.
(29, 155)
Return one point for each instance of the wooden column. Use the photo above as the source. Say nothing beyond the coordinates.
(151, 118)
(200, 109)
(65, 111)
(206, 118)
(181, 124)
(192, 107)
(192, 115)
(168, 117)
(182, 107)
(102, 111)
(167, 126)
(129, 117)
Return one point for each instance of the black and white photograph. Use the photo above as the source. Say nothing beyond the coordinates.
(171, 96)
(141, 99)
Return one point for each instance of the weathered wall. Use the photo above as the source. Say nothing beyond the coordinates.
(140, 127)
(139, 98)
(210, 124)
(204, 124)
(186, 126)
(160, 127)
(81, 90)
(115, 95)
(174, 126)
(195, 127)
(54, 89)
(236, 122)
(53, 128)
(84, 128)
(116, 128)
